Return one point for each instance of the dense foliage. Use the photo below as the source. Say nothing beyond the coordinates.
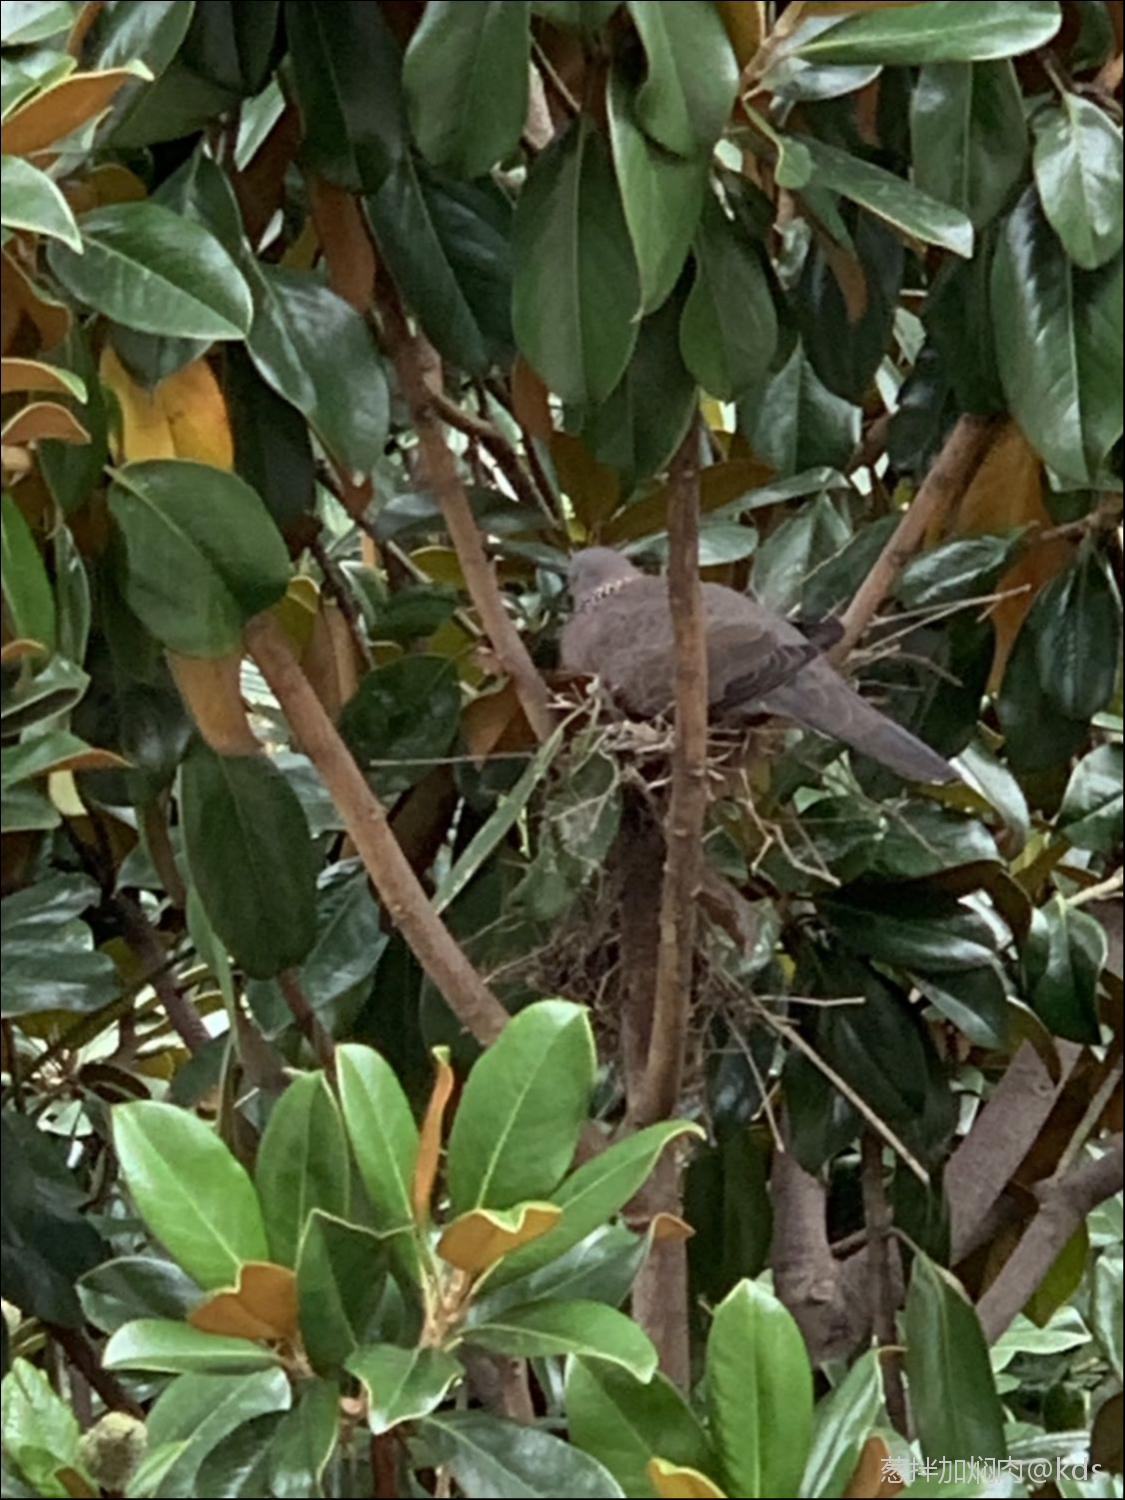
(329, 331)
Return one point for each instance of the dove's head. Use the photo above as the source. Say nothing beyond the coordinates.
(596, 568)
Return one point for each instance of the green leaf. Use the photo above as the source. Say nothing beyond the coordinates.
(340, 1277)
(793, 422)
(796, 549)
(519, 1117)
(47, 956)
(32, 201)
(136, 1286)
(28, 598)
(945, 31)
(1062, 960)
(582, 15)
(593, 1194)
(347, 70)
(1078, 173)
(726, 1195)
(402, 1384)
(926, 930)
(305, 1441)
(842, 1424)
(41, 1433)
(1090, 816)
(662, 195)
(302, 1164)
(382, 1132)
(495, 1459)
(1105, 1305)
(624, 1422)
(726, 353)
(542, 1329)
(891, 198)
(759, 1393)
(190, 1191)
(318, 352)
(447, 244)
(968, 135)
(26, 21)
(156, 271)
(1058, 345)
(410, 707)
(957, 1412)
(201, 553)
(576, 292)
(1079, 630)
(199, 1411)
(252, 859)
(961, 569)
(465, 75)
(692, 76)
(176, 1348)
(975, 1000)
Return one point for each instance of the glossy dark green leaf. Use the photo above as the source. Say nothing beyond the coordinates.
(29, 601)
(302, 1164)
(964, 568)
(560, 1327)
(1062, 960)
(727, 1204)
(845, 351)
(520, 1113)
(349, 942)
(465, 76)
(33, 202)
(347, 69)
(975, 1000)
(174, 1348)
(191, 1192)
(576, 292)
(447, 244)
(382, 1132)
(642, 423)
(28, 21)
(340, 1274)
(251, 857)
(272, 452)
(968, 135)
(136, 1286)
(624, 1422)
(407, 709)
(201, 553)
(72, 470)
(36, 696)
(935, 689)
(662, 195)
(791, 553)
(1091, 811)
(821, 1121)
(1079, 624)
(47, 958)
(692, 75)
(600, 1268)
(1058, 344)
(494, 1458)
(842, 1423)
(317, 352)
(890, 198)
(759, 1393)
(232, 45)
(583, 15)
(156, 271)
(1078, 171)
(238, 1467)
(794, 422)
(728, 332)
(958, 321)
(200, 1411)
(402, 1384)
(952, 1389)
(923, 930)
(305, 1441)
(946, 31)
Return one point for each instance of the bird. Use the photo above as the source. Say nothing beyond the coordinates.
(759, 664)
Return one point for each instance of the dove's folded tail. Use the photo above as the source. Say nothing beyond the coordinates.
(819, 699)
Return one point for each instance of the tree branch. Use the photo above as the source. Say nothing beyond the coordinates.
(884, 1292)
(683, 830)
(365, 818)
(1064, 1203)
(445, 481)
(141, 936)
(943, 486)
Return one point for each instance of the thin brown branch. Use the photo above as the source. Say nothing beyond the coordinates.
(943, 486)
(1064, 1203)
(142, 937)
(884, 1301)
(365, 818)
(289, 983)
(488, 435)
(337, 585)
(82, 1355)
(687, 805)
(445, 481)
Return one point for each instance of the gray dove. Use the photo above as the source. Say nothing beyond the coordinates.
(758, 663)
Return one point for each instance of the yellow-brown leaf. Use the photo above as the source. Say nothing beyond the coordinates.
(262, 1306)
(745, 21)
(481, 1237)
(675, 1482)
(31, 375)
(55, 113)
(870, 1481)
(43, 419)
(429, 1137)
(594, 488)
(20, 298)
(212, 692)
(184, 417)
(718, 486)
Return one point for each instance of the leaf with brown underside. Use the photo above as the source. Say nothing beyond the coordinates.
(262, 1306)
(57, 111)
(869, 1482)
(675, 1482)
(429, 1137)
(43, 419)
(184, 417)
(211, 689)
(20, 298)
(346, 243)
(483, 1236)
